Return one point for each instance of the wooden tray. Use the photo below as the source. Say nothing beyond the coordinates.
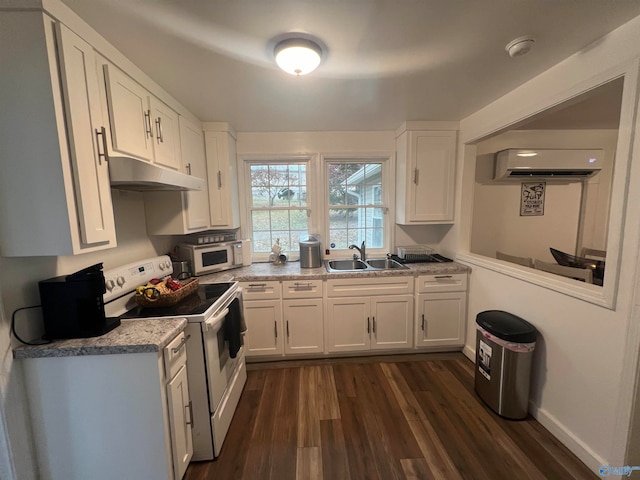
(168, 299)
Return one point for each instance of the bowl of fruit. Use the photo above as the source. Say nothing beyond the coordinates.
(165, 292)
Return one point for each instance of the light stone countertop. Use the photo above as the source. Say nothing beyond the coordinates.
(131, 336)
(293, 271)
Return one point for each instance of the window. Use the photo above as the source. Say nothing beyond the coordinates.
(278, 205)
(355, 212)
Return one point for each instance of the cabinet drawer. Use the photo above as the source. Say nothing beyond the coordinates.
(261, 290)
(350, 287)
(453, 282)
(302, 289)
(175, 354)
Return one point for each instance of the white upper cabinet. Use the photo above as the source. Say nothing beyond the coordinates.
(141, 125)
(220, 146)
(425, 175)
(177, 213)
(55, 197)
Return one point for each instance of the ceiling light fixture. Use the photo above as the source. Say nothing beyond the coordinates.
(298, 56)
(520, 46)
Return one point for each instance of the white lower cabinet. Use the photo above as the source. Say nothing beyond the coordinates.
(283, 318)
(361, 317)
(123, 415)
(441, 310)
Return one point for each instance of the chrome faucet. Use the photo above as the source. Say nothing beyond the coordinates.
(361, 249)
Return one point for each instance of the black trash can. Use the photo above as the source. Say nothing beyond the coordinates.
(504, 350)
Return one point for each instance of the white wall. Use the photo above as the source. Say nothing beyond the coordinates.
(586, 360)
(19, 288)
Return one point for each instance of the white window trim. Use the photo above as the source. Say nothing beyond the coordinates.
(388, 200)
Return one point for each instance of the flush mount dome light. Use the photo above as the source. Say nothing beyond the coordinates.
(520, 46)
(298, 56)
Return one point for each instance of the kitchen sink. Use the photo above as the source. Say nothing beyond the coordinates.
(346, 265)
(384, 263)
(359, 265)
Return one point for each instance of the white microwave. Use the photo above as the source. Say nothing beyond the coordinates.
(216, 257)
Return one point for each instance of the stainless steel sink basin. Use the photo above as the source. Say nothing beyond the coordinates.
(359, 265)
(384, 263)
(345, 265)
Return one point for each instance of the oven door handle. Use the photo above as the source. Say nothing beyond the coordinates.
(216, 321)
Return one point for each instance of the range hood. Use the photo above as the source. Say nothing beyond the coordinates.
(127, 173)
(521, 163)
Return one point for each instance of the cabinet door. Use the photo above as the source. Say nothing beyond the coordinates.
(391, 322)
(425, 190)
(81, 87)
(129, 115)
(440, 319)
(166, 133)
(222, 178)
(264, 327)
(180, 421)
(349, 324)
(303, 323)
(194, 163)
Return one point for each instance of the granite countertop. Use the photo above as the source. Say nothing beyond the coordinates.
(292, 271)
(131, 336)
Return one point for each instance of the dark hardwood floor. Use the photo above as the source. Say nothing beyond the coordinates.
(400, 417)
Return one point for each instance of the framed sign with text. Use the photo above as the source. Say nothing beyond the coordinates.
(532, 199)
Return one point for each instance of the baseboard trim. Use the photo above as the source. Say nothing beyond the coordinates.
(557, 429)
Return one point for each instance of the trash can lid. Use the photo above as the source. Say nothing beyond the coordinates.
(506, 326)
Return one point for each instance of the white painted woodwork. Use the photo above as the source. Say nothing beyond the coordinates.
(391, 322)
(220, 147)
(261, 290)
(348, 324)
(176, 213)
(180, 418)
(454, 282)
(101, 416)
(302, 288)
(81, 88)
(129, 114)
(440, 319)
(45, 158)
(264, 334)
(347, 287)
(166, 133)
(425, 177)
(304, 325)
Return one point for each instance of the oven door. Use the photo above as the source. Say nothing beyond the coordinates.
(223, 348)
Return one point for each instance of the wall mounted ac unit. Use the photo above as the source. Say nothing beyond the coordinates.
(521, 163)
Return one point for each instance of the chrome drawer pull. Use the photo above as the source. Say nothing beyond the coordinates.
(444, 276)
(182, 344)
(257, 285)
(302, 285)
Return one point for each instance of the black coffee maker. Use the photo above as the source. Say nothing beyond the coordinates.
(73, 305)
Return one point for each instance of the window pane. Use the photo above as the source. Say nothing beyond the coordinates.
(298, 219)
(260, 221)
(280, 219)
(261, 241)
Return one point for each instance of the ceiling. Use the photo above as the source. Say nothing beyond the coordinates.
(386, 61)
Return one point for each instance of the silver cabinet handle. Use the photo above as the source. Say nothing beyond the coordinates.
(368, 325)
(374, 324)
(159, 135)
(190, 408)
(219, 179)
(415, 176)
(105, 154)
(302, 285)
(287, 328)
(182, 344)
(188, 168)
(258, 285)
(275, 327)
(443, 276)
(147, 123)
(423, 321)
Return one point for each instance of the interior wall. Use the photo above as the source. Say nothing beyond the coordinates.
(19, 288)
(586, 357)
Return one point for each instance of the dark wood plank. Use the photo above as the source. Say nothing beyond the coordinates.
(405, 416)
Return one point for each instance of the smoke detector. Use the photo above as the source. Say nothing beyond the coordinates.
(520, 46)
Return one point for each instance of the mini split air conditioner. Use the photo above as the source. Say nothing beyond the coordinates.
(521, 164)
